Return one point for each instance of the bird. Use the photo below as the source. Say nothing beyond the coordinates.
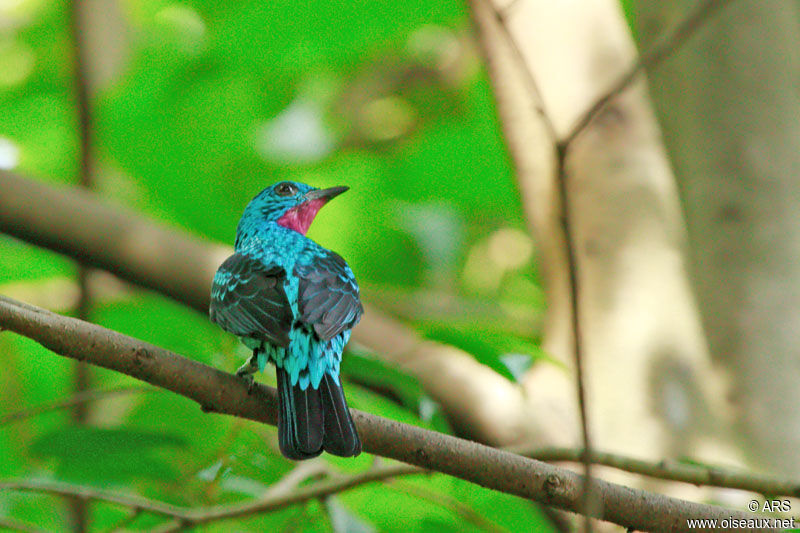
(293, 303)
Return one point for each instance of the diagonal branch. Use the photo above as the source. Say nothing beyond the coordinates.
(223, 393)
(663, 48)
(534, 92)
(87, 493)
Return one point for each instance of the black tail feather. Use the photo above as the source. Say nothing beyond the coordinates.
(314, 419)
(300, 419)
(341, 437)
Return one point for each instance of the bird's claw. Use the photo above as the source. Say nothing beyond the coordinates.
(246, 371)
(248, 378)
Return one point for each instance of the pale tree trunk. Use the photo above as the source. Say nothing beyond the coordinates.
(649, 390)
(731, 116)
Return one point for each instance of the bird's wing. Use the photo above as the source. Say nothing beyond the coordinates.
(248, 300)
(328, 295)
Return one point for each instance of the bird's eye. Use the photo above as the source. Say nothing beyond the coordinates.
(285, 189)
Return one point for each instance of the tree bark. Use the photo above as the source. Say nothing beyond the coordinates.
(731, 118)
(646, 363)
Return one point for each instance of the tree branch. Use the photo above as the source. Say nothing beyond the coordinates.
(664, 47)
(534, 92)
(223, 393)
(75, 223)
(576, 327)
(87, 493)
(699, 475)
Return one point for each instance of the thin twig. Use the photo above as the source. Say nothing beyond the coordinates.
(577, 331)
(89, 493)
(708, 476)
(665, 46)
(533, 86)
(194, 516)
(82, 378)
(668, 43)
(281, 500)
(84, 397)
(300, 473)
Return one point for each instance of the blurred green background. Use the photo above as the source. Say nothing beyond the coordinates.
(208, 103)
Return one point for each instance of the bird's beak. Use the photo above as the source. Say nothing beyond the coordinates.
(325, 194)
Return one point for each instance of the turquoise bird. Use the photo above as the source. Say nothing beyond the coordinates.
(293, 303)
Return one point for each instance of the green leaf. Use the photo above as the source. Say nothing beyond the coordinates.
(23, 262)
(163, 322)
(488, 345)
(392, 383)
(382, 377)
(106, 456)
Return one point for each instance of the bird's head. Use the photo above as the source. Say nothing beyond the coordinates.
(289, 204)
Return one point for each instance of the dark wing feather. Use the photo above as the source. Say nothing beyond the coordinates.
(248, 300)
(328, 295)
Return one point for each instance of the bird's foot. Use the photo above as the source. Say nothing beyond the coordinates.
(245, 375)
(246, 371)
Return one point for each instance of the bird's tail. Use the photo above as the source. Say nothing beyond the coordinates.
(313, 420)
